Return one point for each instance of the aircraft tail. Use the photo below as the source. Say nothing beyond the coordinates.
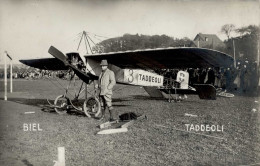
(153, 91)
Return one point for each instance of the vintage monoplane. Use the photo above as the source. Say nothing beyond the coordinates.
(134, 68)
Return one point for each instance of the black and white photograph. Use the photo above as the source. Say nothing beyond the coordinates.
(129, 82)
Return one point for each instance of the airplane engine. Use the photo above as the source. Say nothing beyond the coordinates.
(76, 60)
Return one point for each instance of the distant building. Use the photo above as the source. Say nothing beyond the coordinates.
(207, 41)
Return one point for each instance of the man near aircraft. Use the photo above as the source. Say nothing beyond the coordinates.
(106, 83)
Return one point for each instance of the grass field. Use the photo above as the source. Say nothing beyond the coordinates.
(155, 141)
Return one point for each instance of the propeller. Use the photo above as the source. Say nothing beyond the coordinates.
(83, 76)
(57, 54)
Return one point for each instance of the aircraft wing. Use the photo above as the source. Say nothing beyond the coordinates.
(164, 58)
(45, 63)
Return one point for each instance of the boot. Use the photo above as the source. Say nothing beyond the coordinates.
(113, 114)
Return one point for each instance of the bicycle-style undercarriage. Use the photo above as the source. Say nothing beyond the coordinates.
(90, 104)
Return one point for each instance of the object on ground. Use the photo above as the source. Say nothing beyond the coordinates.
(122, 128)
(134, 120)
(113, 131)
(128, 116)
(61, 157)
(224, 94)
(29, 112)
(107, 124)
(191, 115)
(126, 123)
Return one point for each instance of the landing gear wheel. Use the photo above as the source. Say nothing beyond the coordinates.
(92, 106)
(61, 104)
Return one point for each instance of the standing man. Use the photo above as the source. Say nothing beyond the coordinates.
(106, 83)
(211, 77)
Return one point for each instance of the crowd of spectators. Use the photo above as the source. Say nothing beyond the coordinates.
(243, 78)
(38, 74)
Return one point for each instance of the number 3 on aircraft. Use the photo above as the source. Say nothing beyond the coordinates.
(131, 77)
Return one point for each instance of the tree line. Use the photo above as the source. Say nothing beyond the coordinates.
(135, 42)
(245, 42)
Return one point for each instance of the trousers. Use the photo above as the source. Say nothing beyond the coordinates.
(106, 102)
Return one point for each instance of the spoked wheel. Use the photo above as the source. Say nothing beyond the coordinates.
(92, 106)
(61, 104)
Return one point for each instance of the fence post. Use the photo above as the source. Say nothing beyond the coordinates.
(61, 156)
(11, 77)
(5, 75)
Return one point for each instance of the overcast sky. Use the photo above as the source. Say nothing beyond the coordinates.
(29, 27)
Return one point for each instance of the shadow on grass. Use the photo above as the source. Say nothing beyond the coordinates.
(141, 97)
(44, 102)
(46, 107)
(121, 99)
(33, 102)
